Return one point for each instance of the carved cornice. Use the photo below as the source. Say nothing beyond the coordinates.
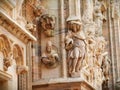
(13, 27)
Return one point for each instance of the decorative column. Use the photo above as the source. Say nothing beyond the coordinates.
(62, 27)
(111, 41)
(74, 10)
(29, 63)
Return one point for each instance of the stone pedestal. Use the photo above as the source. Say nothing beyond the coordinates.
(63, 84)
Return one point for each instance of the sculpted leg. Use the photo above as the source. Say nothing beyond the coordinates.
(75, 59)
(78, 67)
(70, 66)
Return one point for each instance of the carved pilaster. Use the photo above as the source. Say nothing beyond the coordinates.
(74, 10)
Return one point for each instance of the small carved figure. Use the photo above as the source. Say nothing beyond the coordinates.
(75, 45)
(31, 27)
(7, 61)
(50, 57)
(48, 24)
(98, 17)
(106, 66)
(100, 49)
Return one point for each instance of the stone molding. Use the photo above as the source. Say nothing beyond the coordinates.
(62, 80)
(4, 76)
(14, 28)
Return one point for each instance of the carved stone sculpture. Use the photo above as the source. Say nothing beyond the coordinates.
(22, 69)
(7, 61)
(48, 24)
(106, 66)
(31, 27)
(50, 57)
(98, 17)
(75, 45)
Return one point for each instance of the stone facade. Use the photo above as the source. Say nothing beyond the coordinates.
(59, 44)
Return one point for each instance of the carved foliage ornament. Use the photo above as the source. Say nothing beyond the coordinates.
(48, 24)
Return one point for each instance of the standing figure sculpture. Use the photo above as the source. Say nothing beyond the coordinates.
(75, 45)
(106, 66)
(99, 17)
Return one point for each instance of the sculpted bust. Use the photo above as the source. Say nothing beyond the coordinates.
(50, 57)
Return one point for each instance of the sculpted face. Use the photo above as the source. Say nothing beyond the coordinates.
(74, 26)
(49, 46)
(48, 22)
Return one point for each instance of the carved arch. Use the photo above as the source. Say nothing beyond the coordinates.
(5, 45)
(18, 55)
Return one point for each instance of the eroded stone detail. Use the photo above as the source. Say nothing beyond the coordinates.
(22, 69)
(48, 24)
(31, 27)
(99, 9)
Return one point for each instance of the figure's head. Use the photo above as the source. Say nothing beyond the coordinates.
(49, 46)
(74, 25)
(48, 22)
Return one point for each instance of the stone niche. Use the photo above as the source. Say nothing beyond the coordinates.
(48, 38)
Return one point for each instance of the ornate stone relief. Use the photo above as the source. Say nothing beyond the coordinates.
(22, 69)
(31, 27)
(15, 28)
(5, 48)
(48, 24)
(99, 9)
(50, 57)
(86, 54)
(7, 61)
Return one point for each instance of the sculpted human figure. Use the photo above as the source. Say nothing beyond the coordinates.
(98, 17)
(75, 45)
(106, 66)
(31, 27)
(50, 57)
